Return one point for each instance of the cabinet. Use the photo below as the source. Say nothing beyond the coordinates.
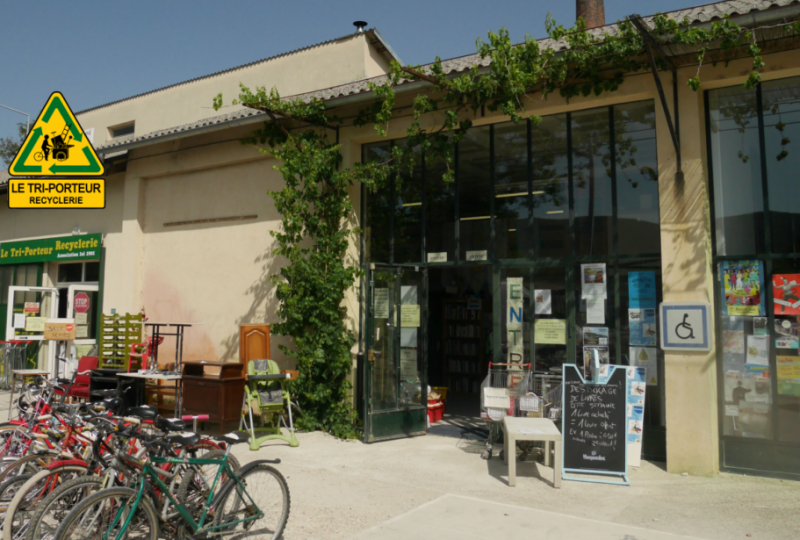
(215, 389)
(464, 346)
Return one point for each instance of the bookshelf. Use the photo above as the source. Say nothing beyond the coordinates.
(464, 346)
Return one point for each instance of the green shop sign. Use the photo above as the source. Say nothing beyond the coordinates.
(63, 249)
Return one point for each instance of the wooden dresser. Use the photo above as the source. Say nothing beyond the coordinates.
(215, 389)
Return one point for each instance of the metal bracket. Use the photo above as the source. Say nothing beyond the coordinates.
(651, 45)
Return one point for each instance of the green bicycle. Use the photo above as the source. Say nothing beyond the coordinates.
(252, 503)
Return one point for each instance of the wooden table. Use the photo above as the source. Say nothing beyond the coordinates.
(22, 373)
(141, 379)
(531, 429)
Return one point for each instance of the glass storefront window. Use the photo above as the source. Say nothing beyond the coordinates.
(736, 168)
(441, 210)
(591, 159)
(782, 142)
(408, 215)
(475, 191)
(638, 224)
(378, 205)
(512, 200)
(550, 170)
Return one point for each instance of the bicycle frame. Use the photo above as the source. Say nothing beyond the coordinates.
(154, 473)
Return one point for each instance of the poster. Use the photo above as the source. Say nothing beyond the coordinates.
(786, 333)
(643, 328)
(35, 324)
(588, 355)
(82, 318)
(742, 286)
(760, 326)
(594, 335)
(594, 280)
(543, 302)
(758, 350)
(381, 304)
(31, 307)
(596, 311)
(786, 294)
(647, 358)
(635, 416)
(642, 290)
(733, 341)
(550, 332)
(788, 375)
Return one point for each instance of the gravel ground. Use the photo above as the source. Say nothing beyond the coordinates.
(341, 488)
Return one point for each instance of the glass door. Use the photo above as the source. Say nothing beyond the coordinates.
(28, 309)
(395, 376)
(82, 307)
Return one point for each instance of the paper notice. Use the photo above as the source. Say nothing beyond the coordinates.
(34, 324)
(409, 316)
(758, 350)
(543, 302)
(596, 311)
(647, 358)
(593, 280)
(81, 318)
(550, 332)
(381, 303)
(81, 332)
(19, 320)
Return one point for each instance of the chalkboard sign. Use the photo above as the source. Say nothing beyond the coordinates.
(594, 424)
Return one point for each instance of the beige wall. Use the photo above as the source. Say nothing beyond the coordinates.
(345, 60)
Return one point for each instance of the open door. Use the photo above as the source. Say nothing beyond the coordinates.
(395, 376)
(26, 311)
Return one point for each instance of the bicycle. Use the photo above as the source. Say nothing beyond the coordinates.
(242, 506)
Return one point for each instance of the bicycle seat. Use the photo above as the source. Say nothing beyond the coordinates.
(234, 437)
(145, 412)
(170, 424)
(183, 439)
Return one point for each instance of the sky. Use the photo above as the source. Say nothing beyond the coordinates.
(96, 51)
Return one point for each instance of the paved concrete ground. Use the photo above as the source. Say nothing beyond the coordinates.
(438, 487)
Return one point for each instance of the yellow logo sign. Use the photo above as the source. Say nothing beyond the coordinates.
(52, 193)
(57, 145)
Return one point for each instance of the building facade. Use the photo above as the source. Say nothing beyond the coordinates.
(594, 185)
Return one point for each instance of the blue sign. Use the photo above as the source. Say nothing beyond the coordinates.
(642, 290)
(686, 326)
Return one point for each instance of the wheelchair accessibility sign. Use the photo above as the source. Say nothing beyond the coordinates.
(685, 326)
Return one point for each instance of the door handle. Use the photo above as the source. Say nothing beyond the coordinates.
(371, 355)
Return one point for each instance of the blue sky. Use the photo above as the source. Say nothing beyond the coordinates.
(100, 51)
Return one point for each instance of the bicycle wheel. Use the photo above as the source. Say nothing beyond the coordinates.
(198, 480)
(265, 487)
(25, 465)
(54, 508)
(104, 514)
(32, 492)
(8, 490)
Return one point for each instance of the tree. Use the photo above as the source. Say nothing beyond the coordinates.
(9, 146)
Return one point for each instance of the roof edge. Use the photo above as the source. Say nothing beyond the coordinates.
(372, 31)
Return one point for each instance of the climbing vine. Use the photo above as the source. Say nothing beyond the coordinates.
(315, 203)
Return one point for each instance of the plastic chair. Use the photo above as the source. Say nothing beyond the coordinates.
(266, 390)
(79, 387)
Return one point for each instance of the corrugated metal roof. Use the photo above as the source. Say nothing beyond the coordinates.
(695, 15)
(370, 34)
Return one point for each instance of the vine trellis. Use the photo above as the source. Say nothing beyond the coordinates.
(315, 203)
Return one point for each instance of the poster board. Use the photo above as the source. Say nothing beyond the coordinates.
(594, 427)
